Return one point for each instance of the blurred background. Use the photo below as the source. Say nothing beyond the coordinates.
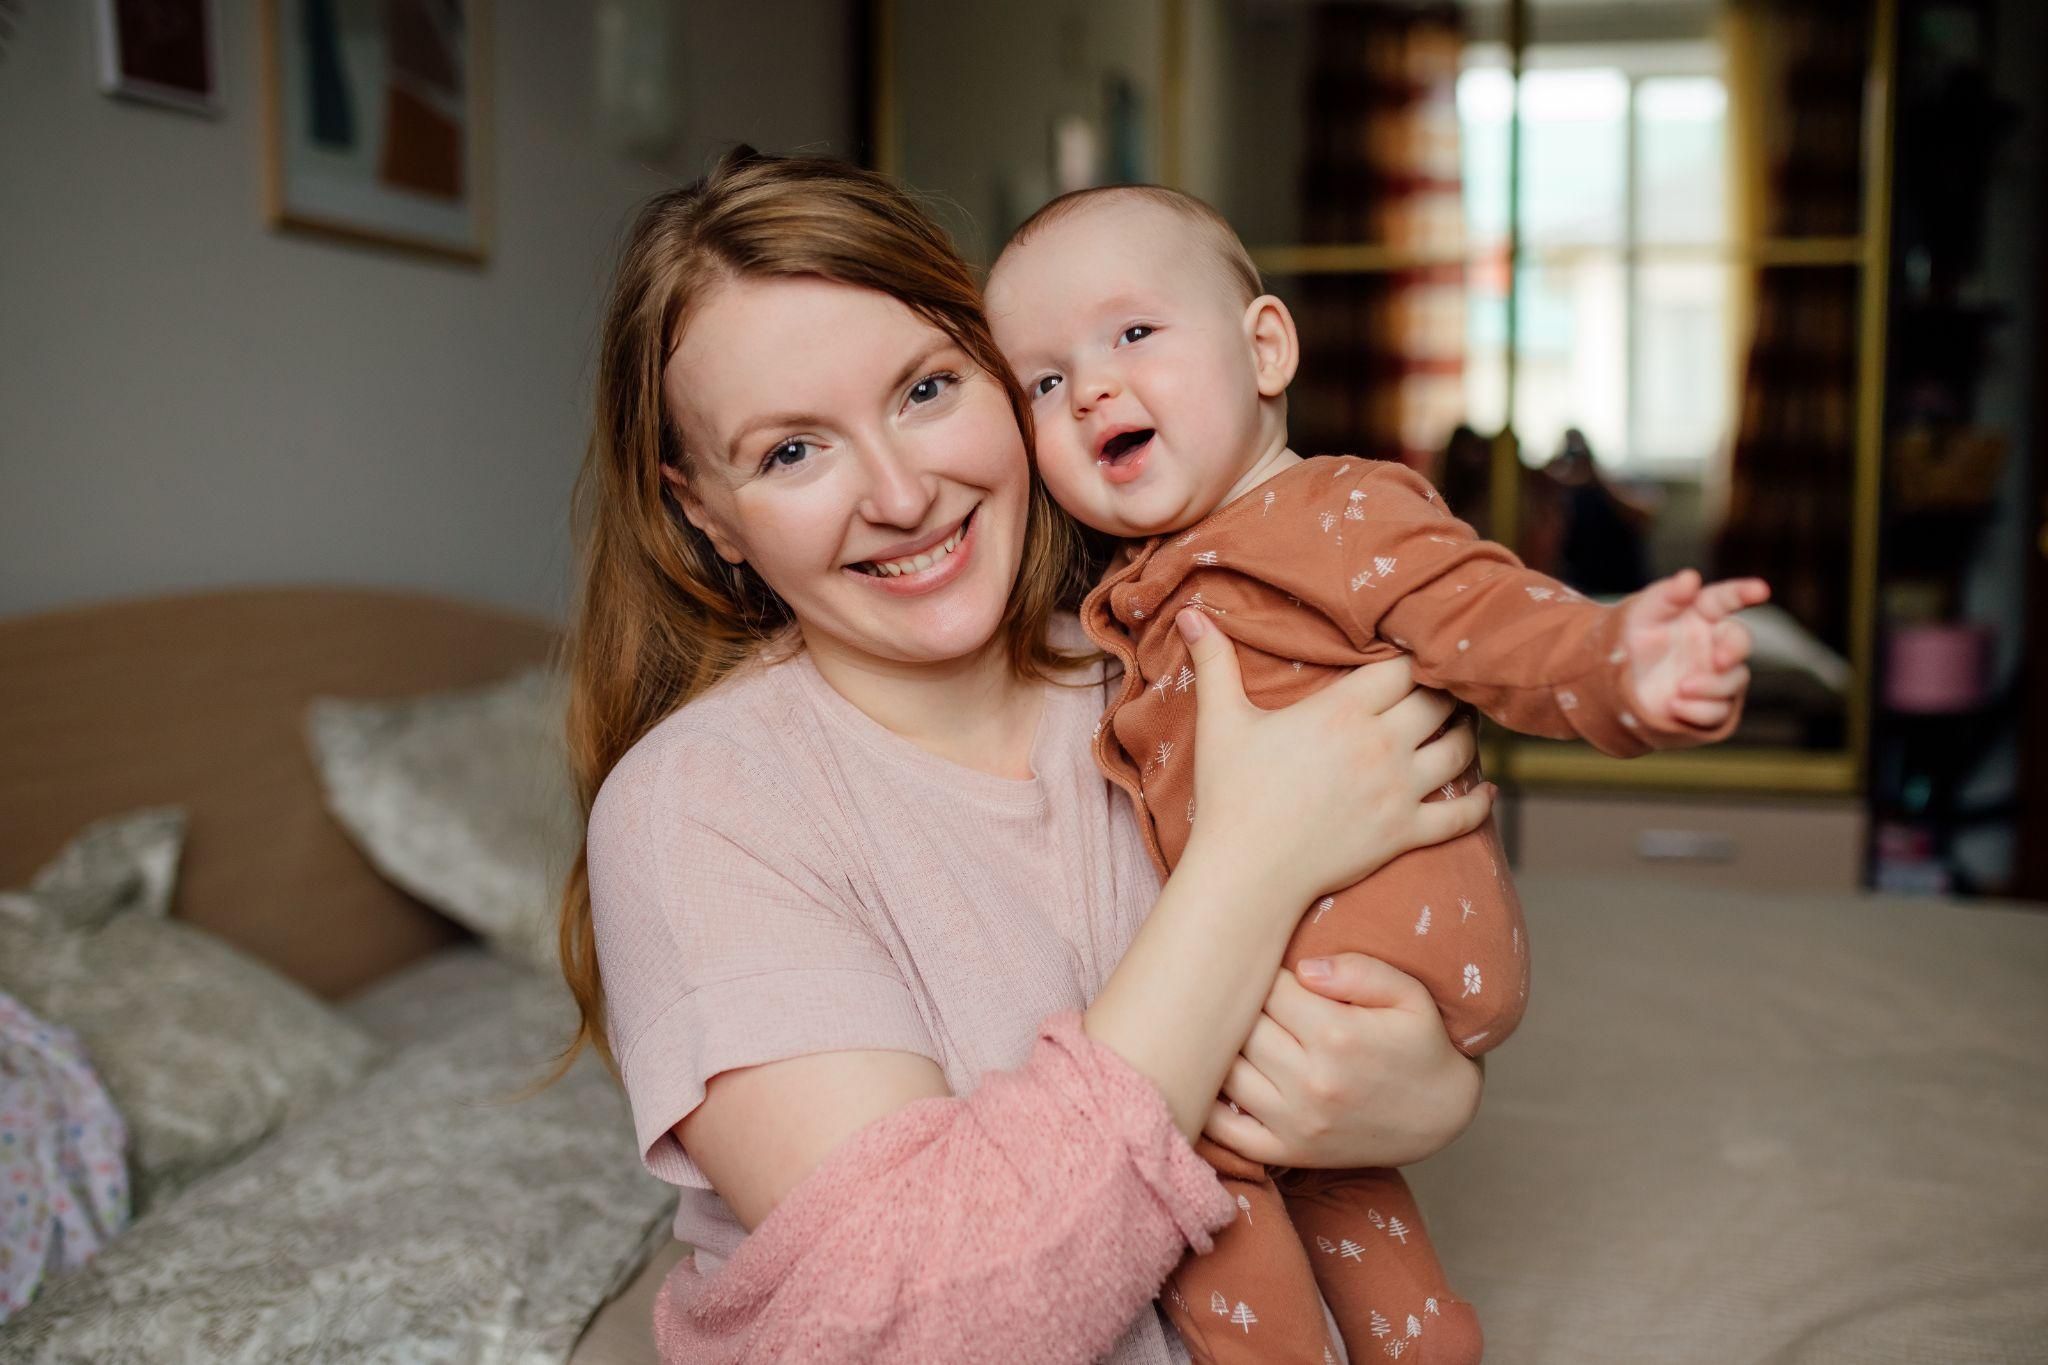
(1751, 285)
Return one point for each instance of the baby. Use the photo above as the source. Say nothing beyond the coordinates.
(1157, 374)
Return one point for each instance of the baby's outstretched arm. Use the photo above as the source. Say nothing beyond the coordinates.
(1687, 654)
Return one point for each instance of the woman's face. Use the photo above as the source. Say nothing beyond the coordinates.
(857, 459)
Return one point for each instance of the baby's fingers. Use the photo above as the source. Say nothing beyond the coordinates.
(1731, 645)
(1721, 686)
(1706, 714)
(1717, 600)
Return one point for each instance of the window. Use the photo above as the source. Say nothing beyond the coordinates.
(1623, 286)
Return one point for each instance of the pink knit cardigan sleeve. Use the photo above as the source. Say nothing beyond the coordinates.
(1045, 1208)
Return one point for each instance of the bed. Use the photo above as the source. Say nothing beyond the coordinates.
(1733, 1128)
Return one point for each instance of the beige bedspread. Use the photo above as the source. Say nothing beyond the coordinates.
(1761, 1129)
(1741, 1129)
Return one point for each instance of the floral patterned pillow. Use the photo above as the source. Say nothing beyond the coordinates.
(204, 1050)
(463, 799)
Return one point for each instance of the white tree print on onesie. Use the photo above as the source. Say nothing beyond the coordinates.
(1471, 980)
(1348, 1249)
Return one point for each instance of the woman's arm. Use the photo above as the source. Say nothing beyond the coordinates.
(1282, 799)
(1036, 1216)
(1351, 1069)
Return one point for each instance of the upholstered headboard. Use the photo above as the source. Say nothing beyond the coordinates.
(200, 701)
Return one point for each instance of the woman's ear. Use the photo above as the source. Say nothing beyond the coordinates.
(698, 515)
(1276, 348)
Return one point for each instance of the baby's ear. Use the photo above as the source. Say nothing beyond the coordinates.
(1276, 348)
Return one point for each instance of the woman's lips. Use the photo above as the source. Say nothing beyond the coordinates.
(942, 571)
(1124, 457)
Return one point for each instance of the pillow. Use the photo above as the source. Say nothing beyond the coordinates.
(462, 799)
(431, 1215)
(63, 1183)
(204, 1050)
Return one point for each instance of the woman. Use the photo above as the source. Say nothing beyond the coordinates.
(851, 877)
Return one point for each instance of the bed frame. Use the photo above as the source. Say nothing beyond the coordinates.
(199, 701)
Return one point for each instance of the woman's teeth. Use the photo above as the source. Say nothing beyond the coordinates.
(917, 563)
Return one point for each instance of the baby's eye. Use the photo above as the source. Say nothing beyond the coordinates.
(930, 387)
(1135, 332)
(1045, 385)
(788, 455)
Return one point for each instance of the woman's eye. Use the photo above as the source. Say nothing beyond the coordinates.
(1045, 385)
(930, 387)
(1138, 332)
(786, 456)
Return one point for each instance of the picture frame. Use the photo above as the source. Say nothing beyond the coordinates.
(377, 118)
(163, 52)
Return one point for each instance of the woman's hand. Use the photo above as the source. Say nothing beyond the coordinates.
(1330, 789)
(1352, 1069)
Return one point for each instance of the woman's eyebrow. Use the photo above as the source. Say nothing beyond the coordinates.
(794, 418)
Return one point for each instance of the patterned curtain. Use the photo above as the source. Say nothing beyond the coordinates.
(1796, 75)
(1383, 354)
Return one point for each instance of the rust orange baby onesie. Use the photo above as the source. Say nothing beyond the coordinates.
(1333, 563)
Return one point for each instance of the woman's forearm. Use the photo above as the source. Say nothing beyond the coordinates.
(1181, 1002)
(1044, 1208)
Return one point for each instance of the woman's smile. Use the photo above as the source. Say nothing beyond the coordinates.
(923, 568)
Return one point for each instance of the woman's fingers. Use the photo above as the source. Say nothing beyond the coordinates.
(1273, 1048)
(1217, 680)
(1249, 1088)
(1354, 979)
(1445, 759)
(1377, 687)
(1436, 821)
(1420, 714)
(1243, 1134)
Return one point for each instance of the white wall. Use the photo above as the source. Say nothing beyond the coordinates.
(190, 399)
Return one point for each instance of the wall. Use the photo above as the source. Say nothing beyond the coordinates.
(191, 399)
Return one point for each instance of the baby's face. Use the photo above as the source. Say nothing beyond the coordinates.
(1137, 358)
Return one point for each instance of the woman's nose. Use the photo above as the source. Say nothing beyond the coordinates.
(897, 492)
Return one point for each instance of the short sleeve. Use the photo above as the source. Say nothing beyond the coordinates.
(725, 939)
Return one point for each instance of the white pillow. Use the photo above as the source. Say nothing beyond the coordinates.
(462, 799)
(205, 1050)
(429, 1215)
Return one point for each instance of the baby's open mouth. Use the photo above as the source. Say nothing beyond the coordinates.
(1120, 448)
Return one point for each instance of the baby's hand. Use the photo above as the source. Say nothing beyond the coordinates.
(1686, 657)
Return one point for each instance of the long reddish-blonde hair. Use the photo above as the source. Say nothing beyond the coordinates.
(660, 617)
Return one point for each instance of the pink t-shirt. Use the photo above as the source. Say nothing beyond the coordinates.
(774, 874)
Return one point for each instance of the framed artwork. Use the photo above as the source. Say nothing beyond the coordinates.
(162, 51)
(378, 121)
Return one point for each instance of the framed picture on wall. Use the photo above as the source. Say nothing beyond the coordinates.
(378, 121)
(162, 51)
